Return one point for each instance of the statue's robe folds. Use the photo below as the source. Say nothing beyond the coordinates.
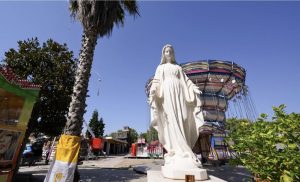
(175, 113)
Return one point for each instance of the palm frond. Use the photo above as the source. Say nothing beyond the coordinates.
(73, 8)
(101, 16)
(131, 7)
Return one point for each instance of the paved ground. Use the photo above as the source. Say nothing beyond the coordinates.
(119, 168)
(115, 168)
(225, 172)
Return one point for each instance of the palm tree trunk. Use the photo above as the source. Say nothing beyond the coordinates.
(83, 73)
(77, 105)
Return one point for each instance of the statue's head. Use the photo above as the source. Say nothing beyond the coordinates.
(168, 55)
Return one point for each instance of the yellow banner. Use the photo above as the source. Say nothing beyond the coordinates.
(68, 148)
(62, 169)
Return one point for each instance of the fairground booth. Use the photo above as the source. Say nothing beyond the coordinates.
(17, 98)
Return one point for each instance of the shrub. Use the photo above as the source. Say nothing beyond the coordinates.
(269, 149)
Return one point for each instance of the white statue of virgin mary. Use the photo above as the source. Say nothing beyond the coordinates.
(176, 114)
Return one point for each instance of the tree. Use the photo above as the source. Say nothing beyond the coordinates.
(152, 134)
(98, 19)
(96, 125)
(133, 135)
(269, 149)
(52, 66)
(143, 135)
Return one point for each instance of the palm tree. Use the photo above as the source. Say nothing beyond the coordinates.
(98, 19)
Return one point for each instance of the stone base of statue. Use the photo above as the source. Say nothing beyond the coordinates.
(178, 166)
(198, 173)
(156, 176)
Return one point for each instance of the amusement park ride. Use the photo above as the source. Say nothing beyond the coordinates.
(224, 95)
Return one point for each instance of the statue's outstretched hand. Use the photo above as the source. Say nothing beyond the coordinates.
(150, 98)
(196, 89)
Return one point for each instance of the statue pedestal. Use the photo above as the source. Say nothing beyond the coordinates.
(200, 174)
(178, 165)
(156, 176)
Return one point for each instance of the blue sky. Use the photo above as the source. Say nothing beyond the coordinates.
(262, 37)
